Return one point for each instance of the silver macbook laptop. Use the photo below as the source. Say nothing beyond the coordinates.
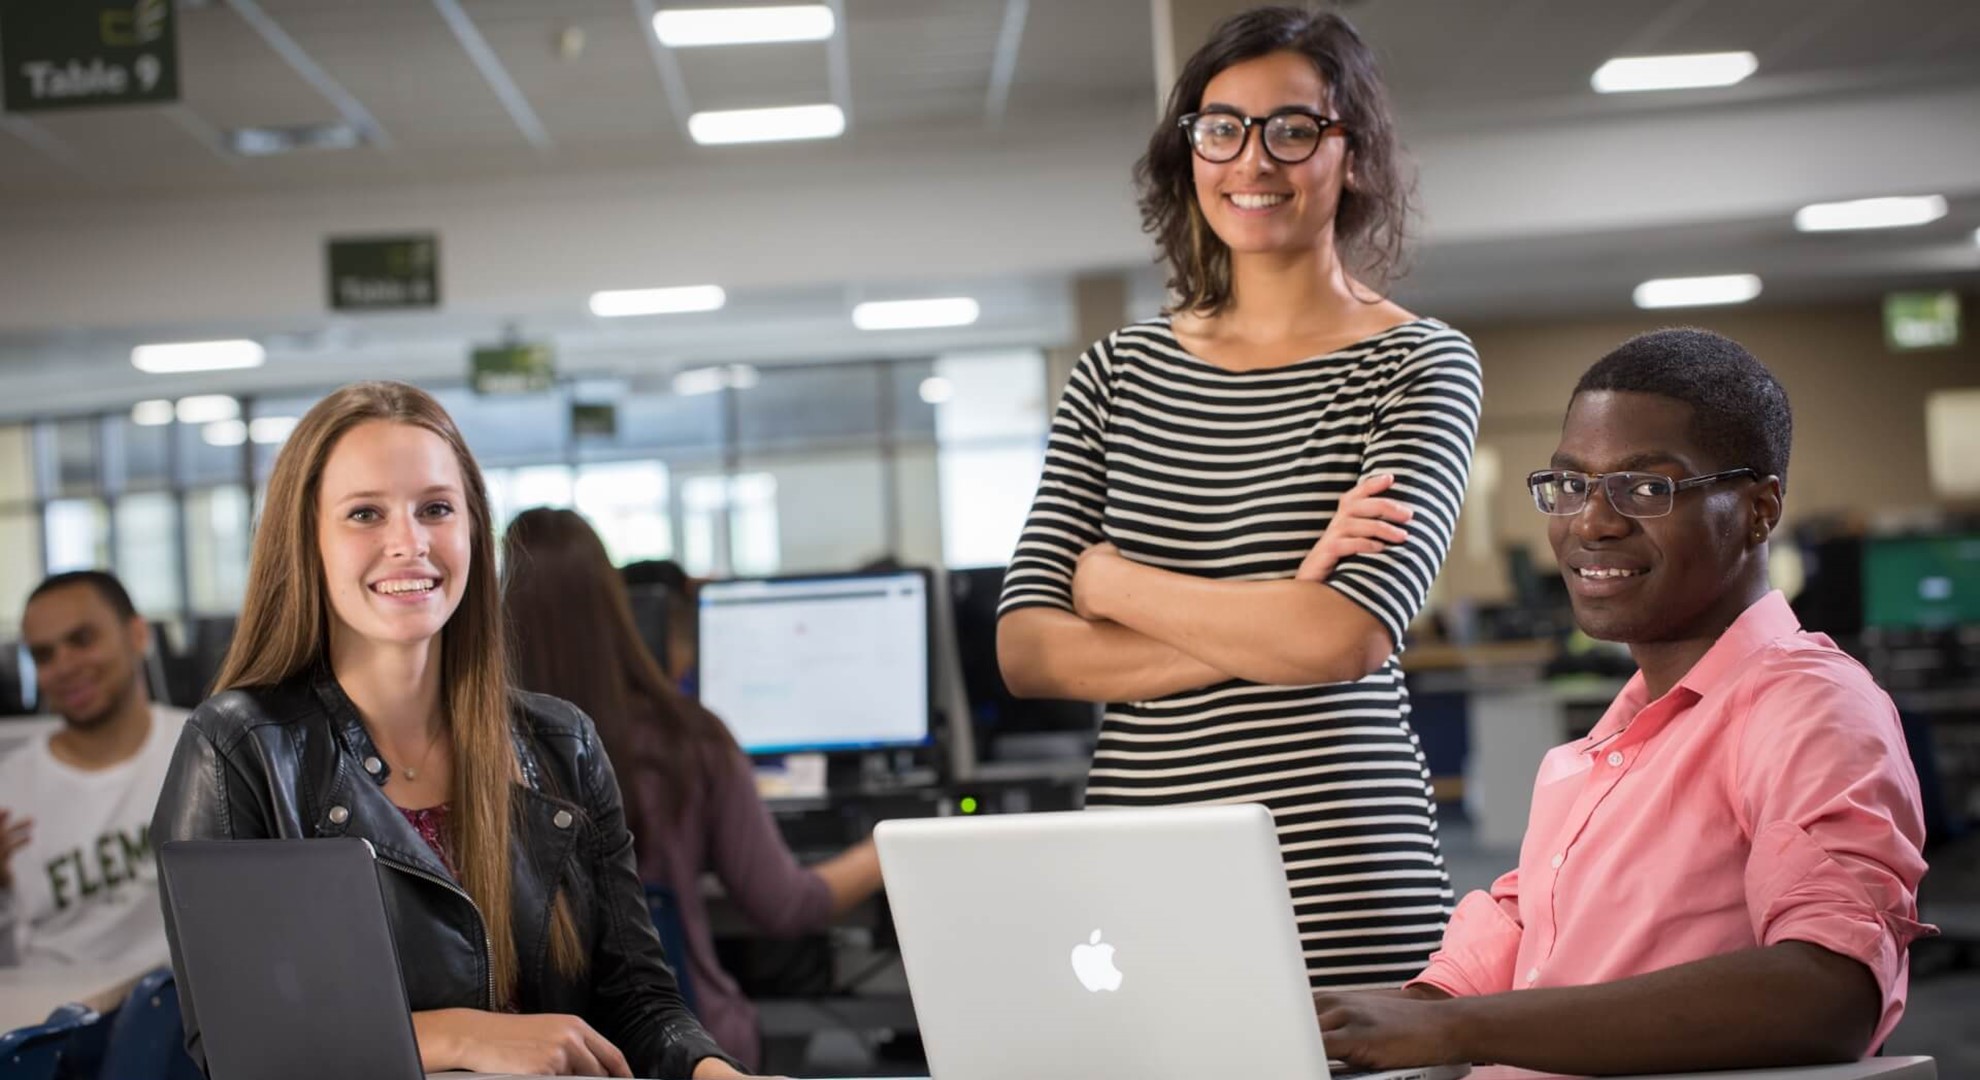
(1158, 944)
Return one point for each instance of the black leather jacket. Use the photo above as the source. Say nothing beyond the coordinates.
(293, 761)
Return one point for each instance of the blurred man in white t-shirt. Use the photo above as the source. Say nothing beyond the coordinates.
(78, 881)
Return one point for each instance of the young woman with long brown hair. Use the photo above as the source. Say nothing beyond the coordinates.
(690, 793)
(367, 694)
(1245, 500)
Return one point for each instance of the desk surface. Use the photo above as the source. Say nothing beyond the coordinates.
(1903, 1068)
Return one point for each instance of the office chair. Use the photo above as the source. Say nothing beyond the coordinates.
(37, 1052)
(147, 1038)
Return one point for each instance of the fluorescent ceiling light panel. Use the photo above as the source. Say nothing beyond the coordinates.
(224, 433)
(268, 430)
(686, 28)
(710, 379)
(617, 303)
(255, 142)
(1626, 74)
(1697, 291)
(206, 408)
(767, 125)
(183, 356)
(1894, 212)
(154, 413)
(915, 314)
(936, 390)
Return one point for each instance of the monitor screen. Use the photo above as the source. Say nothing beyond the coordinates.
(1921, 581)
(821, 663)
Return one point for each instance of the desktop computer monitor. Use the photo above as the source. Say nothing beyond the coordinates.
(651, 607)
(823, 663)
(1007, 725)
(1924, 582)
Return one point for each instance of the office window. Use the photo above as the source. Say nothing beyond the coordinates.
(20, 571)
(17, 466)
(78, 535)
(511, 430)
(825, 404)
(140, 455)
(511, 491)
(990, 424)
(729, 526)
(626, 502)
(268, 429)
(74, 465)
(661, 424)
(217, 549)
(826, 511)
(211, 452)
(148, 552)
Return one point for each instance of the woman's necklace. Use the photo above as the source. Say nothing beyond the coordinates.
(413, 773)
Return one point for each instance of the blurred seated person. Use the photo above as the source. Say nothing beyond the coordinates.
(683, 624)
(690, 792)
(1724, 873)
(78, 883)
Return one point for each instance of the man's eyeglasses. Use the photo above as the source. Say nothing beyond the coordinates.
(1564, 492)
(1289, 137)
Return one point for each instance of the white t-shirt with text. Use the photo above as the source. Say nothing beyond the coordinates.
(86, 886)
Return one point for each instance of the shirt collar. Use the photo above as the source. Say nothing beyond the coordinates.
(1766, 620)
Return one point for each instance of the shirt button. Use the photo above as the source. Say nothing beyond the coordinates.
(562, 820)
(1532, 976)
(1616, 758)
(372, 765)
(1558, 860)
(339, 815)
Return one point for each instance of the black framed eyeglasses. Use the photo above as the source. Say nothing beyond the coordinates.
(1564, 492)
(1290, 137)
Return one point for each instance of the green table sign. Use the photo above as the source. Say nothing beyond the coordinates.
(512, 369)
(1921, 320)
(66, 54)
(385, 273)
(596, 420)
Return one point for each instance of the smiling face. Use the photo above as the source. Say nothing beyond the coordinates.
(1683, 576)
(86, 658)
(1254, 203)
(394, 534)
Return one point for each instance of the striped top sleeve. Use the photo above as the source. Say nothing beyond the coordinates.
(1425, 427)
(1067, 512)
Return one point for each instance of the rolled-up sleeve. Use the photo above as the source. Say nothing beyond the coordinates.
(1827, 792)
(1481, 944)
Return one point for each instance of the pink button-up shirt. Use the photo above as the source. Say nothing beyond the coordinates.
(1767, 797)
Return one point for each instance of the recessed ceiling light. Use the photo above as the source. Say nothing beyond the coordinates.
(1891, 212)
(936, 390)
(182, 356)
(767, 125)
(915, 314)
(271, 429)
(1682, 72)
(224, 433)
(710, 379)
(616, 303)
(1697, 291)
(206, 408)
(270, 141)
(684, 28)
(154, 413)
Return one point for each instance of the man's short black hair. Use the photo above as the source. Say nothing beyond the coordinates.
(104, 582)
(1739, 412)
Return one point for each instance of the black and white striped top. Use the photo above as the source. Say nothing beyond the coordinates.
(1235, 475)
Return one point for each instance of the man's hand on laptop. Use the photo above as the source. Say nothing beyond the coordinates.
(543, 1044)
(1390, 1029)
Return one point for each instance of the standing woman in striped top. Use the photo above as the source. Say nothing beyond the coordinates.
(1245, 500)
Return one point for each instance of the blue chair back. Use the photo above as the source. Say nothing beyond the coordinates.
(38, 1052)
(147, 1040)
(665, 908)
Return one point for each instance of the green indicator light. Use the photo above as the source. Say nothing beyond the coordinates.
(968, 805)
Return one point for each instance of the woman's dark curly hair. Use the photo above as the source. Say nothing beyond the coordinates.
(1370, 222)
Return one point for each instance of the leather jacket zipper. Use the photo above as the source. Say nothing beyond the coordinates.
(487, 945)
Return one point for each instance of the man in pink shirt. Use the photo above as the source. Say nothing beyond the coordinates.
(1724, 873)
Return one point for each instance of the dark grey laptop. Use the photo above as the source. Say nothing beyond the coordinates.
(286, 959)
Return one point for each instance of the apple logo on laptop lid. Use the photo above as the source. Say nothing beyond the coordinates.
(1094, 964)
